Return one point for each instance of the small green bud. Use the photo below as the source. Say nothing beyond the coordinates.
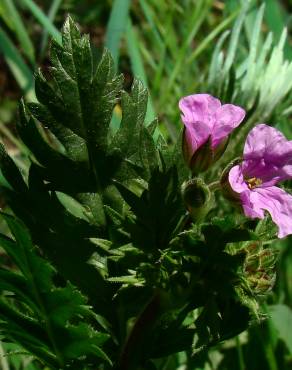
(259, 267)
(268, 258)
(197, 198)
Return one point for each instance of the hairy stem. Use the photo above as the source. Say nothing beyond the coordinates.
(213, 186)
(132, 352)
(240, 354)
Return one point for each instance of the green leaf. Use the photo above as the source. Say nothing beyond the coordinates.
(281, 316)
(169, 342)
(11, 172)
(59, 234)
(76, 105)
(91, 92)
(158, 210)
(59, 168)
(56, 325)
(134, 110)
(133, 142)
(74, 145)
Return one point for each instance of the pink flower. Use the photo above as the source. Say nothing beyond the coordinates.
(267, 159)
(207, 125)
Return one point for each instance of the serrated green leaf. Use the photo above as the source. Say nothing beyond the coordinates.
(57, 319)
(133, 114)
(157, 210)
(74, 145)
(11, 172)
(126, 280)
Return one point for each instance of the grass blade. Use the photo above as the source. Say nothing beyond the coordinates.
(137, 66)
(276, 18)
(221, 26)
(43, 20)
(214, 67)
(234, 40)
(195, 23)
(20, 70)
(51, 15)
(248, 81)
(149, 17)
(116, 27)
(19, 29)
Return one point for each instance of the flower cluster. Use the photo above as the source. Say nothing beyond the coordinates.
(267, 157)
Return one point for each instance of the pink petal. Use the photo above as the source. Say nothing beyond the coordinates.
(228, 117)
(250, 200)
(267, 155)
(236, 179)
(194, 138)
(274, 200)
(198, 114)
(247, 196)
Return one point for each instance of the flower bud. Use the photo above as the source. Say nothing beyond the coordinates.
(197, 198)
(259, 267)
(207, 126)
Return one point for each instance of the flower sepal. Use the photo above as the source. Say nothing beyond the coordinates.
(219, 150)
(205, 156)
(226, 188)
(202, 159)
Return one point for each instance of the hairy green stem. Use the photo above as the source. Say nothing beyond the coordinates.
(132, 352)
(240, 354)
(270, 356)
(213, 186)
(3, 360)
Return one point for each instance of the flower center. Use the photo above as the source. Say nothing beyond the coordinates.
(253, 182)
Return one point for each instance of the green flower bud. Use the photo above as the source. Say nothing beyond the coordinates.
(197, 198)
(259, 267)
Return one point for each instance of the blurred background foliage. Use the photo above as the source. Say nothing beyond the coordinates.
(240, 51)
